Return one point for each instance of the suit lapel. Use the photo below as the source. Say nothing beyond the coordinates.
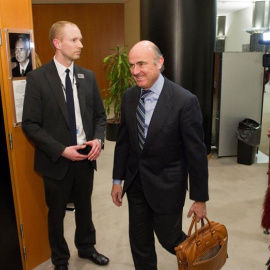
(131, 117)
(56, 86)
(161, 112)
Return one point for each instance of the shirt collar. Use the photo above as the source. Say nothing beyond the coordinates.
(25, 66)
(158, 85)
(62, 69)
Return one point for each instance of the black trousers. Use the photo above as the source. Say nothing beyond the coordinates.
(78, 184)
(143, 222)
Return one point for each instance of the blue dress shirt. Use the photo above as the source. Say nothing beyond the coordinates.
(150, 102)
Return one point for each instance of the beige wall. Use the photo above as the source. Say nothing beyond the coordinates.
(132, 23)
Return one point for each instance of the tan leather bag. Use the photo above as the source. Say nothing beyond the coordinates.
(205, 249)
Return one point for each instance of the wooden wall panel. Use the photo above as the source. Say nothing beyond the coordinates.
(16, 13)
(102, 27)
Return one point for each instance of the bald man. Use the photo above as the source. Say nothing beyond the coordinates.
(160, 145)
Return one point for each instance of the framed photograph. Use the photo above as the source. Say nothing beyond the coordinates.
(21, 60)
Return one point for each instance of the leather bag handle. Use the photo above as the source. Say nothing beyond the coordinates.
(196, 226)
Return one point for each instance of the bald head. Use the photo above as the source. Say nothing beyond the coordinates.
(144, 44)
(146, 63)
(148, 46)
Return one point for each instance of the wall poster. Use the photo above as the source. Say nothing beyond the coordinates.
(21, 60)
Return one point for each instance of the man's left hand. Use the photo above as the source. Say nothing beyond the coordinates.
(95, 149)
(198, 209)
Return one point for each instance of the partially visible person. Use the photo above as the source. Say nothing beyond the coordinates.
(64, 116)
(160, 145)
(22, 55)
(265, 221)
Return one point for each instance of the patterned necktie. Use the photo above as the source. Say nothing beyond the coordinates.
(71, 110)
(140, 114)
(23, 72)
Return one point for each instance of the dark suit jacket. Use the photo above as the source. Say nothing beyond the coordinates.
(45, 116)
(16, 71)
(173, 149)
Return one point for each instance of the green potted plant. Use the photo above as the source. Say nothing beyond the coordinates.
(119, 78)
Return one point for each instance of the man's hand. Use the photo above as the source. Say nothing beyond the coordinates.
(95, 149)
(198, 209)
(117, 194)
(71, 153)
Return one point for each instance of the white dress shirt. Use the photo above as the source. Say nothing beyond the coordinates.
(81, 138)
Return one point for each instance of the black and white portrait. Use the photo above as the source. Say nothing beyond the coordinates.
(20, 52)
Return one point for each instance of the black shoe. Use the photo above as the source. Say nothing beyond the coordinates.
(95, 257)
(60, 267)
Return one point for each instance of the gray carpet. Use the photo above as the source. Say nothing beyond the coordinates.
(236, 197)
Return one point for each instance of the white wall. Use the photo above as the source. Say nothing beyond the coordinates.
(241, 96)
(235, 35)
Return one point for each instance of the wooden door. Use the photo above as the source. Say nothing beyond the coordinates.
(10, 255)
(27, 185)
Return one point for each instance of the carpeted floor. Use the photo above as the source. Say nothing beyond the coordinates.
(236, 197)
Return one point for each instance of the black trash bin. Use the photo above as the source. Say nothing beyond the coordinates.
(249, 135)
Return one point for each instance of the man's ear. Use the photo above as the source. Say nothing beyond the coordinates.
(160, 62)
(56, 43)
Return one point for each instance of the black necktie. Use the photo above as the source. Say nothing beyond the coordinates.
(71, 110)
(23, 72)
(140, 114)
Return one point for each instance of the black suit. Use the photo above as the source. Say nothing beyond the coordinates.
(17, 73)
(157, 177)
(45, 121)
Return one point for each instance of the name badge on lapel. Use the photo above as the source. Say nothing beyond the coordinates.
(81, 76)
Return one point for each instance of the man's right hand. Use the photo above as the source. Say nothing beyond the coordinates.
(71, 153)
(117, 194)
(198, 209)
